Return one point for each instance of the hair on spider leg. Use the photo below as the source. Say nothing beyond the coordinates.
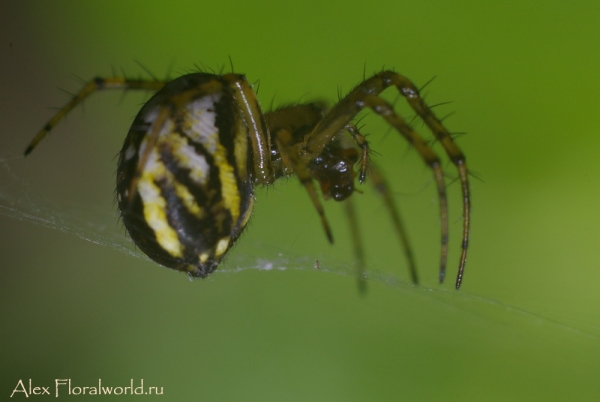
(122, 98)
(454, 135)
(427, 83)
(124, 92)
(358, 121)
(453, 178)
(71, 94)
(457, 134)
(442, 119)
(123, 73)
(412, 120)
(431, 107)
(474, 174)
(77, 78)
(147, 70)
(415, 116)
(339, 93)
(431, 142)
(440, 104)
(374, 152)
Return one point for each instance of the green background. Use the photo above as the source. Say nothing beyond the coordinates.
(524, 84)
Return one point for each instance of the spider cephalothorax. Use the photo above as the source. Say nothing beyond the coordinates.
(196, 150)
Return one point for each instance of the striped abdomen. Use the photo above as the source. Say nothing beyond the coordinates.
(183, 182)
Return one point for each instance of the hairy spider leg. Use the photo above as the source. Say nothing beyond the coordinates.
(91, 87)
(365, 95)
(292, 160)
(411, 93)
(381, 107)
(237, 84)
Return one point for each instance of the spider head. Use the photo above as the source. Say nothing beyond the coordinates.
(334, 171)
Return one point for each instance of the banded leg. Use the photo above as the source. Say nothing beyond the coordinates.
(381, 107)
(292, 160)
(411, 93)
(367, 95)
(91, 87)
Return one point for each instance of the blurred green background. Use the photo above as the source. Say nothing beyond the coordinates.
(523, 80)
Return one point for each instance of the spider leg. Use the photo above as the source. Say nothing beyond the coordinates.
(417, 103)
(383, 108)
(362, 143)
(366, 95)
(91, 87)
(381, 186)
(256, 125)
(291, 159)
(357, 243)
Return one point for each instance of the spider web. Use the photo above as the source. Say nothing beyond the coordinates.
(19, 201)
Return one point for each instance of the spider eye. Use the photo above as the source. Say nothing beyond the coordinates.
(318, 161)
(341, 167)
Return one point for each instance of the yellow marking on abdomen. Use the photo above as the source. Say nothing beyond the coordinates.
(222, 246)
(155, 206)
(188, 200)
(229, 188)
(155, 215)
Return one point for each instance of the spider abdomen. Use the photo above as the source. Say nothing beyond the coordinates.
(183, 186)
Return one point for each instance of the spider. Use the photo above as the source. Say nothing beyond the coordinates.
(196, 150)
